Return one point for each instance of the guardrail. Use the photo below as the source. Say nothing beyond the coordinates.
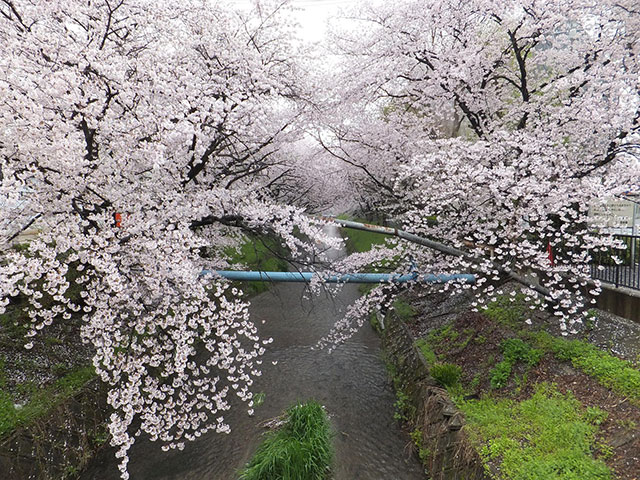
(623, 274)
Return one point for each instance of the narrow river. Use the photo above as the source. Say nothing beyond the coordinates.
(351, 383)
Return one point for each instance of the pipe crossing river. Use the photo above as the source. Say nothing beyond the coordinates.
(306, 277)
(351, 382)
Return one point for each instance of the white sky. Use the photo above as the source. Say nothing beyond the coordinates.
(312, 15)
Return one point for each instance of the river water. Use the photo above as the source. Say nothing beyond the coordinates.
(351, 383)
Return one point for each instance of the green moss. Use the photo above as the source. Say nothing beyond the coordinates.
(41, 401)
(403, 310)
(508, 310)
(548, 436)
(427, 352)
(300, 450)
(612, 372)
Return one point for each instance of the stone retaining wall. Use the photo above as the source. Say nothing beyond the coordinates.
(447, 453)
(59, 445)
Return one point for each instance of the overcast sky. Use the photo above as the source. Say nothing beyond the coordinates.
(312, 15)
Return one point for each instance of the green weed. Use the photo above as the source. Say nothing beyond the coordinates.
(443, 335)
(612, 372)
(300, 450)
(548, 436)
(404, 409)
(423, 453)
(446, 374)
(427, 352)
(508, 310)
(514, 350)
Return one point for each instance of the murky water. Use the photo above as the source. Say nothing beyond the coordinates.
(351, 382)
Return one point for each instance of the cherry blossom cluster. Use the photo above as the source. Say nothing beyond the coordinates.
(148, 136)
(492, 127)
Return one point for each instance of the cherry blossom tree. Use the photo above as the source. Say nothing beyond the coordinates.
(492, 127)
(146, 133)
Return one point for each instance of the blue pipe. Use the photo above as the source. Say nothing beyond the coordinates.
(258, 276)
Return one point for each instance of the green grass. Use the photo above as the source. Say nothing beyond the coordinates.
(612, 372)
(258, 253)
(427, 352)
(549, 436)
(442, 335)
(514, 350)
(446, 374)
(357, 241)
(300, 450)
(619, 375)
(42, 400)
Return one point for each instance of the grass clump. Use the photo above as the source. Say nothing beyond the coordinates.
(446, 374)
(299, 450)
(42, 401)
(514, 350)
(548, 436)
(612, 372)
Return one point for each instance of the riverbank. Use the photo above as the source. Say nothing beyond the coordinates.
(468, 383)
(53, 410)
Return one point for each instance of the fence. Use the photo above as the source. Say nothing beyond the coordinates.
(623, 274)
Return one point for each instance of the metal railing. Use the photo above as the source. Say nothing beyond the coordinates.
(626, 273)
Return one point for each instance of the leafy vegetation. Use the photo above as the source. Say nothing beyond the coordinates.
(404, 409)
(548, 436)
(612, 372)
(423, 453)
(514, 350)
(42, 400)
(299, 450)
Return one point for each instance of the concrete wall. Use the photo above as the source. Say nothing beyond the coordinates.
(620, 301)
